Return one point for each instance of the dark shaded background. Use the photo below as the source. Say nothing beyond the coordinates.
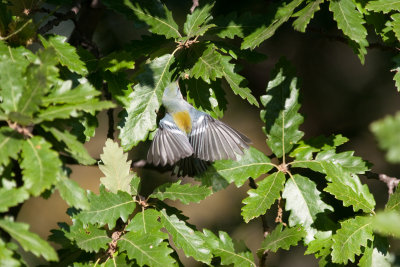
(339, 95)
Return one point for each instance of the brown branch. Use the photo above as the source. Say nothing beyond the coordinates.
(278, 218)
(26, 131)
(391, 182)
(195, 4)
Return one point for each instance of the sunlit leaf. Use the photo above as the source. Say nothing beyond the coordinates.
(284, 239)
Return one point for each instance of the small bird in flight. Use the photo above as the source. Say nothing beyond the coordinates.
(190, 139)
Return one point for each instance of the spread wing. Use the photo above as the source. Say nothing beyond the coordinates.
(213, 140)
(169, 145)
(190, 166)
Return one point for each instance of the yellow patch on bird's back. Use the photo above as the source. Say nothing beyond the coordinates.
(183, 121)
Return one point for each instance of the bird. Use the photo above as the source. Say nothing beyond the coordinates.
(190, 139)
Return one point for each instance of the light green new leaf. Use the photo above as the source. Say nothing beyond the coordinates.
(72, 193)
(280, 115)
(88, 237)
(9, 197)
(40, 165)
(282, 239)
(208, 65)
(10, 144)
(252, 163)
(71, 110)
(304, 202)
(29, 241)
(261, 198)
(160, 22)
(65, 95)
(146, 222)
(223, 247)
(185, 193)
(74, 147)
(349, 20)
(386, 132)
(107, 208)
(66, 53)
(348, 188)
(191, 242)
(236, 81)
(6, 256)
(149, 250)
(347, 241)
(305, 15)
(116, 168)
(383, 5)
(282, 14)
(195, 22)
(145, 101)
(386, 223)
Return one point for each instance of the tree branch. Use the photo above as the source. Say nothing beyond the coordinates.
(195, 4)
(391, 182)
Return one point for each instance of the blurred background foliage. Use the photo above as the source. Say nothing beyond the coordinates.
(339, 95)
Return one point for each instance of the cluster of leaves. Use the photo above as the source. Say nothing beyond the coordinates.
(49, 100)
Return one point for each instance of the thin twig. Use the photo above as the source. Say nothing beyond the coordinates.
(278, 218)
(195, 4)
(391, 182)
(263, 257)
(17, 31)
(345, 40)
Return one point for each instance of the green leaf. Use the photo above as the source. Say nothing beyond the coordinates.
(305, 149)
(40, 165)
(209, 98)
(261, 198)
(146, 222)
(29, 241)
(70, 110)
(190, 241)
(145, 101)
(208, 64)
(236, 81)
(107, 208)
(9, 197)
(393, 203)
(6, 255)
(10, 144)
(119, 87)
(146, 249)
(373, 256)
(348, 188)
(280, 115)
(117, 61)
(347, 241)
(321, 245)
(386, 223)
(349, 20)
(65, 95)
(386, 132)
(223, 247)
(396, 24)
(305, 15)
(346, 160)
(66, 53)
(88, 237)
(196, 23)
(231, 25)
(72, 193)
(185, 193)
(304, 202)
(384, 6)
(116, 168)
(281, 15)
(12, 83)
(282, 239)
(74, 147)
(160, 21)
(252, 163)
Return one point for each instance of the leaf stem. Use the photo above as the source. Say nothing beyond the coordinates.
(17, 31)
